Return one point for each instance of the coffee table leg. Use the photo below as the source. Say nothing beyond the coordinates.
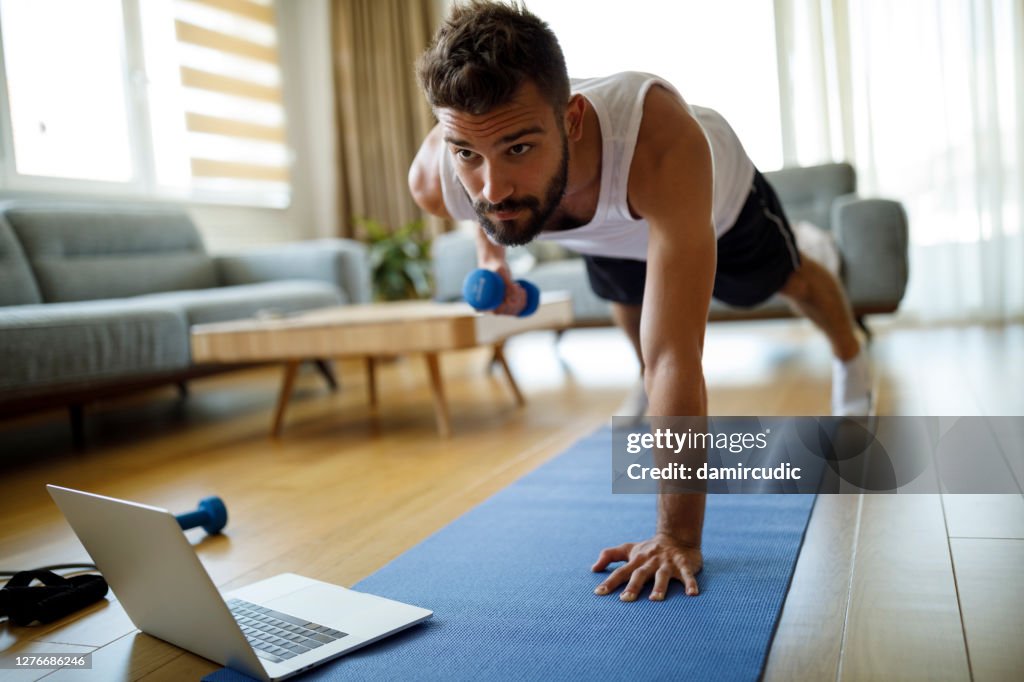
(444, 426)
(371, 380)
(499, 357)
(291, 368)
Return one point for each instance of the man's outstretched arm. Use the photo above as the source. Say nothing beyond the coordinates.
(425, 175)
(674, 194)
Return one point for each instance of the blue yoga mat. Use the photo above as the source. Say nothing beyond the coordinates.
(512, 592)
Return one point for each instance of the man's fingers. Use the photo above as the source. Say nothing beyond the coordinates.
(515, 297)
(689, 577)
(617, 577)
(609, 556)
(660, 561)
(690, 583)
(636, 582)
(515, 301)
(661, 580)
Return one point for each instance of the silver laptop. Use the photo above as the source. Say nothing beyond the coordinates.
(269, 630)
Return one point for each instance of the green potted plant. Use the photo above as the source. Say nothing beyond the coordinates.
(399, 260)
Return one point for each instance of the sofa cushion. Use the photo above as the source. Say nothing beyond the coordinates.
(68, 343)
(86, 252)
(17, 286)
(249, 300)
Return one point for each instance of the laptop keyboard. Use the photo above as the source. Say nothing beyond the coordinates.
(277, 636)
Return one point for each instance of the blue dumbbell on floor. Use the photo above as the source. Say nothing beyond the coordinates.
(212, 515)
(485, 290)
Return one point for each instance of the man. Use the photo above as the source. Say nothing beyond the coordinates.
(658, 196)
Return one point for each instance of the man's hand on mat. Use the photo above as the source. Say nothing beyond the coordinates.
(661, 558)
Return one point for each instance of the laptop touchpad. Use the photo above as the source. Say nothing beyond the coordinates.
(327, 604)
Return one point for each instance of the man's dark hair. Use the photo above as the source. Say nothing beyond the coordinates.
(483, 53)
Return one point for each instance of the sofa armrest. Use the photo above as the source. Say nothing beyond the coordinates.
(342, 262)
(453, 256)
(872, 238)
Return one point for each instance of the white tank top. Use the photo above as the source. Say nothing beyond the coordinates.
(618, 101)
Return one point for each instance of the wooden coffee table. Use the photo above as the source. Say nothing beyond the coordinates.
(369, 331)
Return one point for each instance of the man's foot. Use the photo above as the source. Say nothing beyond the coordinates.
(851, 385)
(635, 404)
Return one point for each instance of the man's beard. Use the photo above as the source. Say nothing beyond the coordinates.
(508, 232)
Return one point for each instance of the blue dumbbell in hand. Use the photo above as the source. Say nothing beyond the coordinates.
(485, 290)
(212, 515)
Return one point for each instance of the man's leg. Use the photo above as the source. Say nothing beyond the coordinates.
(627, 318)
(759, 257)
(813, 292)
(621, 282)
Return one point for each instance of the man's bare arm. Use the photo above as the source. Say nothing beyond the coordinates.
(680, 278)
(672, 189)
(425, 175)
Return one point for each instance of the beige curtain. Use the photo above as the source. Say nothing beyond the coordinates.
(382, 115)
(926, 98)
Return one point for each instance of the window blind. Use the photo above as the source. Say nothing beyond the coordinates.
(230, 76)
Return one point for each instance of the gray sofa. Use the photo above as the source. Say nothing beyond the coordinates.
(871, 235)
(100, 297)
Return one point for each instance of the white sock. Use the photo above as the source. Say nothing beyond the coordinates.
(851, 385)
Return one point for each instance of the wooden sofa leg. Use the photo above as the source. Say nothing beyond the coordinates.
(325, 369)
(76, 413)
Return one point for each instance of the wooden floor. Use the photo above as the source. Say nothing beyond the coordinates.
(912, 587)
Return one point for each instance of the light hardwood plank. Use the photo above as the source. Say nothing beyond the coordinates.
(904, 620)
(984, 516)
(990, 579)
(810, 632)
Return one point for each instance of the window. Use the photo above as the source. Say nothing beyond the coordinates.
(166, 98)
(65, 79)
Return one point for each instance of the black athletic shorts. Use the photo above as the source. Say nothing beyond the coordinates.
(755, 257)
